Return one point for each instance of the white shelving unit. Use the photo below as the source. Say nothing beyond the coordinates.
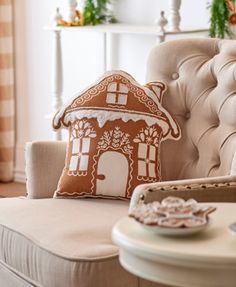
(121, 28)
(108, 31)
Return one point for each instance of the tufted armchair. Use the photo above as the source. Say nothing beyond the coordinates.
(201, 79)
(63, 242)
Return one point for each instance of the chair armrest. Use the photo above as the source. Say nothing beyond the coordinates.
(211, 189)
(44, 163)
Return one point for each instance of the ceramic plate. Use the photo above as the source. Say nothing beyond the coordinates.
(181, 231)
(232, 228)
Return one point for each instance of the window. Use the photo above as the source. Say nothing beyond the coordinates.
(117, 94)
(146, 160)
(80, 156)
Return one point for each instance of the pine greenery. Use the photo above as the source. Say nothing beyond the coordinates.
(96, 12)
(219, 24)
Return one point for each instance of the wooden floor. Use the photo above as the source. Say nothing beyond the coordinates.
(12, 189)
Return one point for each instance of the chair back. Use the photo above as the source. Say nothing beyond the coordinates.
(200, 75)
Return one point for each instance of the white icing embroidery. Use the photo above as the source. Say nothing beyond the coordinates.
(117, 94)
(81, 135)
(82, 129)
(148, 141)
(148, 135)
(116, 139)
(109, 152)
(143, 94)
(112, 171)
(147, 179)
(103, 116)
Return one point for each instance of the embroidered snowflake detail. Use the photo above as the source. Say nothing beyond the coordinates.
(82, 128)
(115, 139)
(149, 135)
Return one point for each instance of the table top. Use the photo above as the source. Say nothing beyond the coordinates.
(215, 244)
(205, 259)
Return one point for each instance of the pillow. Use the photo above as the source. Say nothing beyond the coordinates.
(115, 130)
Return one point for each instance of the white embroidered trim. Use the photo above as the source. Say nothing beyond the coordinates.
(103, 116)
(149, 93)
(60, 113)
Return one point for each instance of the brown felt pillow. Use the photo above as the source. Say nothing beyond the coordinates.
(115, 130)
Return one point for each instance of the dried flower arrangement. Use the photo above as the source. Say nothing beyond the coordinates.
(94, 12)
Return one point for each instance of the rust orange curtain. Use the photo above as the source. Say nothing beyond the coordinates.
(7, 111)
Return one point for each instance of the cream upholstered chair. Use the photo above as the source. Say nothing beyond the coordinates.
(201, 79)
(66, 242)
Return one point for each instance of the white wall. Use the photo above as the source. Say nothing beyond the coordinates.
(82, 58)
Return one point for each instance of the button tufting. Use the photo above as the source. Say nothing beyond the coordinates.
(187, 115)
(217, 123)
(175, 76)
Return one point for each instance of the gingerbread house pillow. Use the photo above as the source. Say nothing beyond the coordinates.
(115, 128)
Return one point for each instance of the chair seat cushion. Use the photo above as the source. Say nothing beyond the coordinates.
(62, 242)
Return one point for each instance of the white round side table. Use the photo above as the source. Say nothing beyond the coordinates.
(206, 259)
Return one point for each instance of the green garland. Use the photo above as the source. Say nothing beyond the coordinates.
(96, 12)
(219, 21)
